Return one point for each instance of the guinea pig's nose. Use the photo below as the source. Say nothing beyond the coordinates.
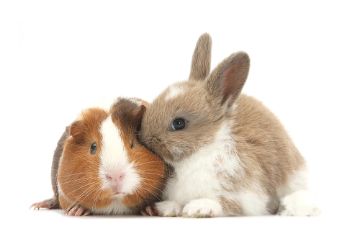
(115, 179)
(115, 176)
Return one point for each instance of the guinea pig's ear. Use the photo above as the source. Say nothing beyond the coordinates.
(138, 114)
(128, 112)
(228, 78)
(201, 59)
(67, 131)
(76, 129)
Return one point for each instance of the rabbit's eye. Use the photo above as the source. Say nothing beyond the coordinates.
(93, 148)
(178, 124)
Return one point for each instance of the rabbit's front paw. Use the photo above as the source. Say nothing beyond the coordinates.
(202, 208)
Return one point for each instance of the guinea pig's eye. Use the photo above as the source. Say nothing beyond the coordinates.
(178, 124)
(93, 148)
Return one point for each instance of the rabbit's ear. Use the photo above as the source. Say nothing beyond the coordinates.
(201, 60)
(227, 79)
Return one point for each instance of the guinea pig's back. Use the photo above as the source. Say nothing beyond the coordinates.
(55, 166)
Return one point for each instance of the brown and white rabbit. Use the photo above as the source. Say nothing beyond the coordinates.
(230, 154)
(100, 167)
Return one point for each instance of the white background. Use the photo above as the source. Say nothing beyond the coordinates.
(57, 57)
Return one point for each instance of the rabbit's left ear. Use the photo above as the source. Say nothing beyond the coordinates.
(201, 59)
(227, 79)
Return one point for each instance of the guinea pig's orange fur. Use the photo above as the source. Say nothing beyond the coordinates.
(78, 175)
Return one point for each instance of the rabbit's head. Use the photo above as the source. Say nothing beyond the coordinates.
(187, 115)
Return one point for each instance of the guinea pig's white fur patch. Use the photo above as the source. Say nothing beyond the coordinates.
(114, 156)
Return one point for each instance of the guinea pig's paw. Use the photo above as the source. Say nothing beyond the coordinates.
(48, 204)
(298, 203)
(77, 211)
(149, 211)
(202, 208)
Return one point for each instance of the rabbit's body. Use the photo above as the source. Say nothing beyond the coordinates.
(231, 155)
(245, 166)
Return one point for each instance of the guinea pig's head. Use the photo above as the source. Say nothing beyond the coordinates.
(104, 167)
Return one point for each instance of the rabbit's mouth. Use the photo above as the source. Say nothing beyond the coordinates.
(158, 147)
(164, 152)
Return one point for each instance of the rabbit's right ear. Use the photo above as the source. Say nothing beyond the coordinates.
(227, 79)
(201, 59)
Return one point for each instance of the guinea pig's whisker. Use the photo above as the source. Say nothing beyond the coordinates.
(155, 180)
(86, 193)
(140, 158)
(152, 186)
(98, 193)
(155, 175)
(151, 173)
(74, 174)
(151, 179)
(138, 194)
(151, 193)
(81, 187)
(78, 184)
(77, 200)
(149, 168)
(92, 188)
(150, 162)
(141, 166)
(74, 180)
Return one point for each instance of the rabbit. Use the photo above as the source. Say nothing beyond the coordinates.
(230, 154)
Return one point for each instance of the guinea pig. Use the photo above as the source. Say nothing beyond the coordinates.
(100, 167)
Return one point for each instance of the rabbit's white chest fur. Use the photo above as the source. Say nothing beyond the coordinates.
(199, 176)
